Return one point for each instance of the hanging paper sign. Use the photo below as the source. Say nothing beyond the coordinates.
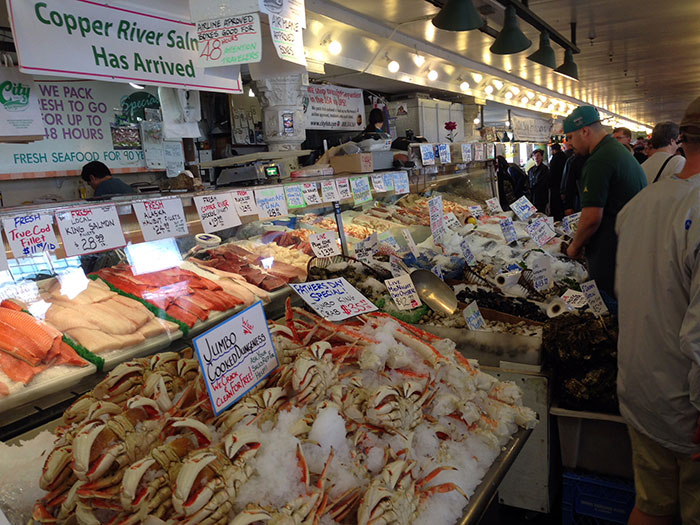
(365, 250)
(542, 273)
(244, 202)
(571, 223)
(396, 268)
(427, 155)
(467, 252)
(466, 152)
(508, 230)
(288, 39)
(324, 244)
(523, 208)
(444, 152)
(437, 270)
(90, 230)
(310, 192)
(479, 151)
(295, 197)
(389, 181)
(333, 299)
(574, 299)
(593, 298)
(540, 232)
(161, 218)
(271, 202)
(292, 9)
(403, 292)
(410, 242)
(216, 212)
(451, 221)
(494, 206)
(236, 355)
(388, 238)
(29, 234)
(437, 218)
(476, 211)
(401, 184)
(229, 40)
(344, 191)
(329, 192)
(378, 183)
(473, 317)
(360, 190)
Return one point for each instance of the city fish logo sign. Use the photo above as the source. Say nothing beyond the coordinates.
(14, 96)
(235, 356)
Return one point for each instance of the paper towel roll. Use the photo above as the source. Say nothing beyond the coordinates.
(508, 279)
(556, 307)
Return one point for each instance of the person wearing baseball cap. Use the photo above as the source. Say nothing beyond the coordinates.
(658, 380)
(610, 178)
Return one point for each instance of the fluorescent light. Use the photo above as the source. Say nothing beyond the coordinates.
(136, 86)
(418, 60)
(335, 47)
(432, 75)
(464, 86)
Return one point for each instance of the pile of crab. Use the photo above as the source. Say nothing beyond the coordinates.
(369, 421)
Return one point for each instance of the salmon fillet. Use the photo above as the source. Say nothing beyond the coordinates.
(18, 370)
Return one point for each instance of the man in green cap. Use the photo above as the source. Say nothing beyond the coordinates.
(610, 178)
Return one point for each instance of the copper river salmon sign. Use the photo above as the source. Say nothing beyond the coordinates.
(235, 356)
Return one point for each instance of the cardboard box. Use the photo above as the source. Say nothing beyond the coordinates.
(357, 163)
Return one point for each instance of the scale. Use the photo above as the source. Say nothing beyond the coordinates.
(253, 168)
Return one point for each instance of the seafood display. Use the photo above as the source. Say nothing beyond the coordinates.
(371, 421)
(281, 254)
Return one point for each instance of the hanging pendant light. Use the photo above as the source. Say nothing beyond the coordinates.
(545, 54)
(568, 69)
(458, 15)
(511, 39)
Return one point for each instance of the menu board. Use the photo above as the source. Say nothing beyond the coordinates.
(90, 230)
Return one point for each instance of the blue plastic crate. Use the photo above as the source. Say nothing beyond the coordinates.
(596, 500)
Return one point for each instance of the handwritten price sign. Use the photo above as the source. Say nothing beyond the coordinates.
(30, 234)
(324, 244)
(310, 192)
(271, 202)
(333, 299)
(229, 41)
(161, 218)
(90, 230)
(244, 201)
(403, 292)
(329, 191)
(217, 212)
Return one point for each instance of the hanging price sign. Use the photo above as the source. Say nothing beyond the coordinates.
(329, 192)
(295, 197)
(310, 192)
(401, 184)
(31, 233)
(344, 191)
(403, 292)
(90, 230)
(216, 212)
(360, 190)
(378, 183)
(244, 201)
(333, 299)
(271, 202)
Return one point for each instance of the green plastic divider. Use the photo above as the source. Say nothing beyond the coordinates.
(85, 353)
(158, 312)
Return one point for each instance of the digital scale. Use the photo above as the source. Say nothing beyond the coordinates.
(256, 173)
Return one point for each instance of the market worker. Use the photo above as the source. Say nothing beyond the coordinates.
(100, 179)
(610, 177)
(376, 121)
(658, 381)
(539, 181)
(663, 161)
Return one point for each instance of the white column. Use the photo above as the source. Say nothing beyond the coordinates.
(283, 115)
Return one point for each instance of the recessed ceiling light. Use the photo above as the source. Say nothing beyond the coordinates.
(488, 89)
(464, 86)
(508, 95)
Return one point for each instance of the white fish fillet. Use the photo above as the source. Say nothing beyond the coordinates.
(152, 328)
(65, 318)
(137, 316)
(94, 340)
(95, 316)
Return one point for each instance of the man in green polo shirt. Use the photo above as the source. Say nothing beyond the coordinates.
(610, 178)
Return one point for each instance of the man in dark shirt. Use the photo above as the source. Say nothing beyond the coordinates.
(100, 179)
(539, 182)
(610, 178)
(556, 169)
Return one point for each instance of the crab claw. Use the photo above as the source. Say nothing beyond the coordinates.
(131, 481)
(252, 515)
(56, 468)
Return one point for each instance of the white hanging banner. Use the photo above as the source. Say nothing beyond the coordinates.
(531, 129)
(291, 9)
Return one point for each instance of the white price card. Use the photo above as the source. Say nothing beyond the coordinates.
(396, 268)
(570, 223)
(444, 152)
(235, 356)
(595, 301)
(427, 155)
(333, 299)
(324, 244)
(244, 201)
(473, 317)
(451, 221)
(542, 273)
(508, 230)
(523, 208)
(30, 233)
(310, 192)
(388, 238)
(410, 242)
(540, 231)
(378, 182)
(574, 299)
(403, 292)
(437, 270)
(90, 230)
(295, 197)
(360, 190)
(437, 218)
(476, 211)
(478, 151)
(365, 250)
(344, 191)
(494, 206)
(161, 218)
(271, 202)
(466, 152)
(388, 181)
(401, 184)
(329, 192)
(467, 252)
(217, 212)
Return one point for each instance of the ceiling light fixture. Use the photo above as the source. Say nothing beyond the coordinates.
(432, 75)
(477, 77)
(477, 121)
(458, 15)
(545, 54)
(498, 84)
(508, 95)
(334, 47)
(418, 60)
(568, 69)
(511, 39)
(515, 90)
(524, 100)
(463, 84)
(393, 65)
(530, 95)
(488, 89)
